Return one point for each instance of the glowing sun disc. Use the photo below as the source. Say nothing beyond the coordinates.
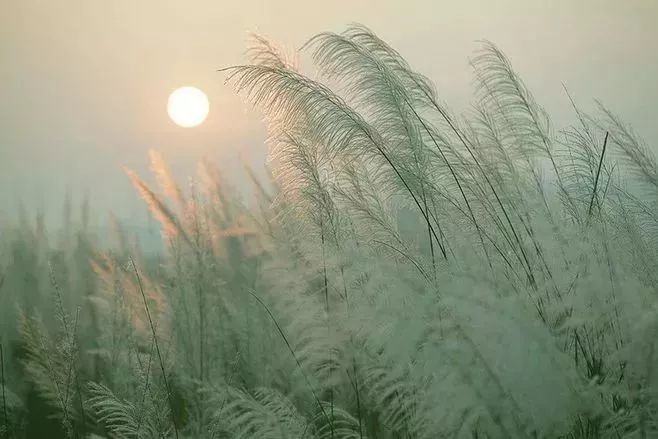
(188, 107)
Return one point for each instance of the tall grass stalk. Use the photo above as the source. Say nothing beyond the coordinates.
(157, 348)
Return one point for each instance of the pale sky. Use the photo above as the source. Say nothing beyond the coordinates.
(84, 83)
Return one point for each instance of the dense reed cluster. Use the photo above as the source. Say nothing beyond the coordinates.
(405, 273)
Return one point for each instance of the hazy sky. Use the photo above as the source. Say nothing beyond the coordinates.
(84, 83)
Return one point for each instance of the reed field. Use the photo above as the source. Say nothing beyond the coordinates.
(404, 272)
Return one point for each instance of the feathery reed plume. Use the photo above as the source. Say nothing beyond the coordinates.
(160, 211)
(261, 50)
(286, 94)
(166, 181)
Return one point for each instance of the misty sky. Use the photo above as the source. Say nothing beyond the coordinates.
(84, 83)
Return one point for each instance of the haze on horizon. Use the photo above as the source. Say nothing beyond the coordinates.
(84, 84)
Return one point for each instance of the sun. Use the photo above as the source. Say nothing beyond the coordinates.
(188, 107)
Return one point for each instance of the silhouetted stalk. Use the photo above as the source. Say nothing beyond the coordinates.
(607, 183)
(429, 232)
(157, 348)
(596, 180)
